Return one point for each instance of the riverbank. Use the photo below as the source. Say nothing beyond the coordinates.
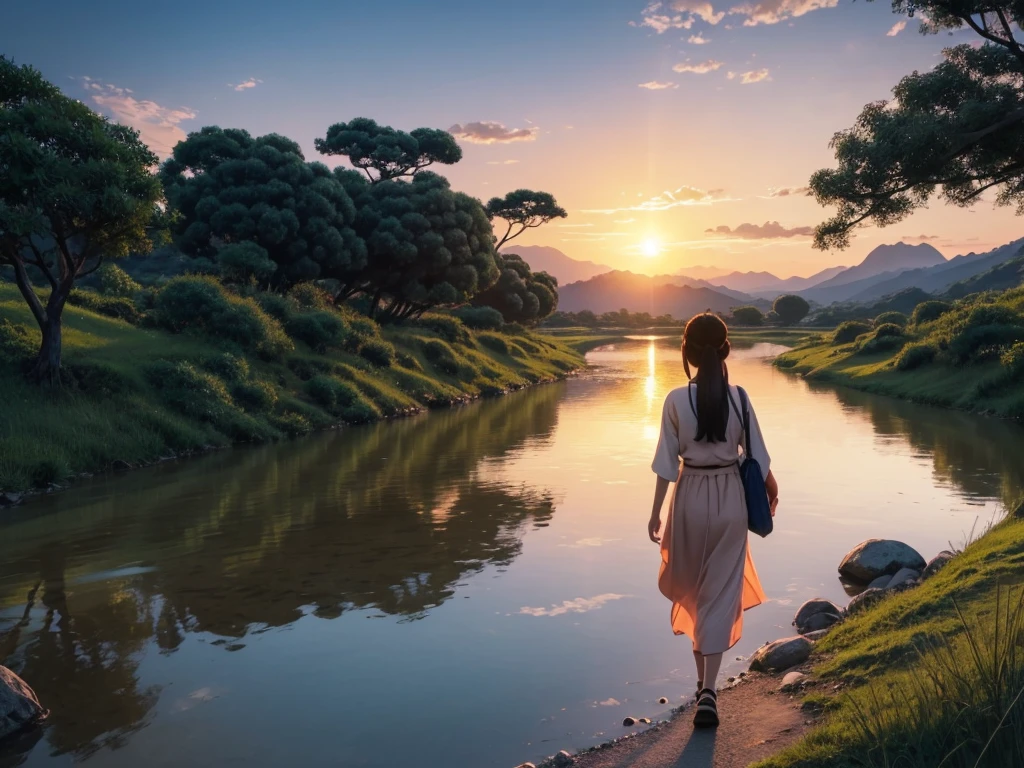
(584, 340)
(137, 394)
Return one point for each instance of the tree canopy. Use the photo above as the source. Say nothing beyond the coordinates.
(387, 151)
(230, 188)
(957, 128)
(791, 309)
(523, 209)
(520, 294)
(74, 189)
(748, 316)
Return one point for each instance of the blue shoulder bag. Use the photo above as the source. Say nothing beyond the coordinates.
(759, 509)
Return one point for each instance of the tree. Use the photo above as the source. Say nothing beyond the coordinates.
(521, 210)
(958, 127)
(229, 188)
(747, 316)
(427, 245)
(520, 294)
(791, 309)
(74, 189)
(387, 151)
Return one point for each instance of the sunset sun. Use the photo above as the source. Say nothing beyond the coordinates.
(650, 248)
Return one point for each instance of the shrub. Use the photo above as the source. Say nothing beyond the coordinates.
(791, 309)
(255, 396)
(311, 296)
(331, 392)
(914, 356)
(276, 305)
(379, 352)
(893, 318)
(361, 411)
(111, 306)
(984, 333)
(320, 329)
(888, 329)
(494, 341)
(1013, 360)
(244, 262)
(291, 423)
(408, 361)
(114, 281)
(97, 378)
(447, 327)
(849, 331)
(927, 311)
(881, 344)
(480, 318)
(188, 390)
(747, 316)
(441, 356)
(16, 345)
(202, 305)
(227, 366)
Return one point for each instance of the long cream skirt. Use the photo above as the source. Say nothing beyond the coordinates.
(706, 568)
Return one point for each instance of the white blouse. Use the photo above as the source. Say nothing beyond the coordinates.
(679, 429)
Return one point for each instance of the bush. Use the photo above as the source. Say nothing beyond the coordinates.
(361, 411)
(244, 262)
(202, 305)
(227, 366)
(97, 378)
(408, 361)
(311, 296)
(791, 309)
(379, 352)
(980, 343)
(888, 329)
(880, 344)
(111, 306)
(254, 396)
(16, 345)
(282, 308)
(331, 392)
(447, 327)
(1013, 360)
(927, 311)
(893, 318)
(114, 281)
(914, 356)
(480, 318)
(494, 341)
(188, 390)
(747, 316)
(849, 331)
(441, 356)
(320, 329)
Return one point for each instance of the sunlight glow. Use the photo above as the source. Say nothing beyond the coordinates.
(650, 248)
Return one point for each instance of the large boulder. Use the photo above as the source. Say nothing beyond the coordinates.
(864, 600)
(937, 563)
(782, 654)
(875, 557)
(19, 705)
(815, 614)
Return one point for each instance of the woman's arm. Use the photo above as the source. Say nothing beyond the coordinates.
(654, 524)
(772, 486)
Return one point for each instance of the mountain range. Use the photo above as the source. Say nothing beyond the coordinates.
(661, 295)
(543, 258)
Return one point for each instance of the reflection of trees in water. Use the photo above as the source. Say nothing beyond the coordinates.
(390, 516)
(966, 450)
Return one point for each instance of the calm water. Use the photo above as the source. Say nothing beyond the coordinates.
(469, 588)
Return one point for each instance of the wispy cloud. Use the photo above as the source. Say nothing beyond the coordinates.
(579, 605)
(774, 11)
(502, 162)
(789, 192)
(491, 132)
(158, 126)
(656, 85)
(699, 68)
(245, 85)
(770, 230)
(898, 27)
(921, 238)
(678, 14)
(698, 39)
(669, 199)
(748, 78)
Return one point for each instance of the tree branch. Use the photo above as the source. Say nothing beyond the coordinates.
(40, 262)
(1010, 45)
(25, 287)
(504, 238)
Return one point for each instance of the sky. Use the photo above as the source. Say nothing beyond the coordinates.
(675, 134)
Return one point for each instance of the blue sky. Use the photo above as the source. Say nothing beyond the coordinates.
(563, 77)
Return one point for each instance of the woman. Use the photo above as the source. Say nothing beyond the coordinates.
(706, 569)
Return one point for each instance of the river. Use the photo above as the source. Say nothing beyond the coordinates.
(471, 587)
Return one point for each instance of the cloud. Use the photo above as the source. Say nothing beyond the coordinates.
(922, 238)
(669, 199)
(610, 702)
(655, 85)
(502, 162)
(491, 132)
(770, 230)
(252, 82)
(678, 14)
(747, 78)
(898, 27)
(623, 221)
(698, 39)
(700, 68)
(774, 11)
(158, 126)
(789, 192)
(579, 605)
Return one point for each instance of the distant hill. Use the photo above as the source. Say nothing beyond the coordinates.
(701, 272)
(883, 263)
(768, 286)
(639, 293)
(543, 258)
(1009, 274)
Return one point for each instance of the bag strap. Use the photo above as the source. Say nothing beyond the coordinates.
(744, 415)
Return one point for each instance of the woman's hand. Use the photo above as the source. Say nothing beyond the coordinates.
(775, 503)
(653, 526)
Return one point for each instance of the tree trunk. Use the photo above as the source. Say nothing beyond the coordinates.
(46, 370)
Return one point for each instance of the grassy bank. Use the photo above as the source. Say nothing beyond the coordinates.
(585, 339)
(167, 384)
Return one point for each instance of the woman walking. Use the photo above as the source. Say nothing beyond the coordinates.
(706, 568)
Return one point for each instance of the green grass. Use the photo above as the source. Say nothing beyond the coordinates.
(119, 403)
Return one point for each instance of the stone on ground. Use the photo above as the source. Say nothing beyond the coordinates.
(792, 681)
(881, 582)
(19, 705)
(874, 557)
(807, 612)
(866, 598)
(937, 563)
(903, 578)
(562, 759)
(816, 635)
(782, 654)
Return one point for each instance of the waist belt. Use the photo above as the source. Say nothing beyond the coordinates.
(709, 466)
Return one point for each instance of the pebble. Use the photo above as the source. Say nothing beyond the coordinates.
(563, 758)
(628, 721)
(663, 700)
(792, 681)
(526, 765)
(644, 720)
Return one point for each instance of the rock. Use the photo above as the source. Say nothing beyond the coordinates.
(806, 613)
(9, 499)
(866, 598)
(820, 621)
(628, 721)
(792, 681)
(120, 465)
(644, 720)
(816, 635)
(881, 582)
(563, 758)
(874, 557)
(782, 654)
(904, 577)
(663, 700)
(937, 563)
(526, 765)
(19, 705)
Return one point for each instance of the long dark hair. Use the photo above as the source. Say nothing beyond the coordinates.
(705, 346)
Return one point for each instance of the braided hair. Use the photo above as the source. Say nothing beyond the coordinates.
(705, 346)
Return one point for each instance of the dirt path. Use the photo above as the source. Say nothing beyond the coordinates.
(756, 721)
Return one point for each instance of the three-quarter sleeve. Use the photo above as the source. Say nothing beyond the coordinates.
(758, 450)
(666, 457)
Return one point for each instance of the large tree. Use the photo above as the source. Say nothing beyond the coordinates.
(74, 189)
(791, 309)
(957, 129)
(388, 152)
(229, 188)
(520, 294)
(521, 210)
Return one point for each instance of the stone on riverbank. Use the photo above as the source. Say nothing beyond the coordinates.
(782, 654)
(865, 599)
(815, 614)
(562, 759)
(881, 582)
(792, 682)
(628, 721)
(937, 563)
(19, 705)
(875, 557)
(905, 577)
(817, 634)
(526, 765)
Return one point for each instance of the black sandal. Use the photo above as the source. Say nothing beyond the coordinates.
(706, 715)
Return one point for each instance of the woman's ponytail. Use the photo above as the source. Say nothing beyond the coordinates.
(706, 345)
